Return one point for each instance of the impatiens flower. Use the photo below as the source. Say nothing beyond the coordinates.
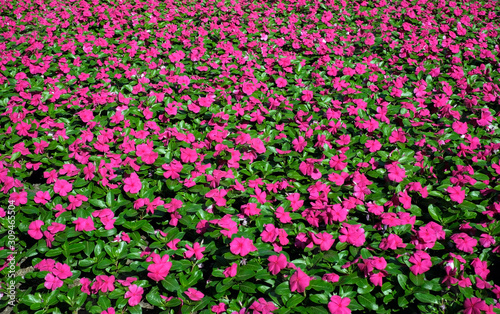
(464, 242)
(456, 194)
(188, 155)
(62, 271)
(84, 224)
(196, 250)
(332, 277)
(160, 268)
(62, 187)
(231, 271)
(42, 197)
(221, 307)
(52, 282)
(339, 305)
(242, 246)
(299, 281)
(132, 184)
(474, 306)
(281, 82)
(421, 262)
(35, 230)
(104, 283)
(258, 145)
(134, 295)
(249, 88)
(352, 234)
(194, 294)
(277, 263)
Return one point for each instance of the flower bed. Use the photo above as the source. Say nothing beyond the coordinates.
(249, 157)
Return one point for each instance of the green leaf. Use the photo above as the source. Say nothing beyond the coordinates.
(295, 300)
(247, 287)
(170, 283)
(283, 288)
(97, 203)
(368, 301)
(417, 280)
(321, 285)
(435, 213)
(427, 298)
(154, 298)
(466, 205)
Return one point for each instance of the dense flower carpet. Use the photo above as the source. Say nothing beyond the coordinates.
(249, 156)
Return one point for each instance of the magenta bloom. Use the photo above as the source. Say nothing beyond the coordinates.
(84, 224)
(474, 306)
(456, 194)
(62, 187)
(421, 262)
(281, 82)
(352, 234)
(231, 271)
(132, 184)
(52, 282)
(464, 242)
(62, 271)
(242, 246)
(194, 294)
(299, 281)
(188, 155)
(134, 295)
(339, 305)
(277, 263)
(35, 230)
(196, 250)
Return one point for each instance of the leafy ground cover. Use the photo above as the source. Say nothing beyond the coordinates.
(250, 157)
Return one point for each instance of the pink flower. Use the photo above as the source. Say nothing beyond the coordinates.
(421, 262)
(231, 271)
(84, 224)
(281, 82)
(160, 268)
(188, 155)
(132, 184)
(194, 294)
(324, 240)
(456, 194)
(284, 217)
(352, 234)
(242, 246)
(460, 127)
(307, 95)
(62, 271)
(474, 306)
(110, 310)
(196, 250)
(373, 145)
(332, 277)
(464, 242)
(219, 308)
(277, 263)
(299, 281)
(62, 187)
(104, 283)
(42, 197)
(258, 145)
(396, 173)
(35, 230)
(249, 88)
(134, 294)
(52, 282)
(339, 305)
(86, 115)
